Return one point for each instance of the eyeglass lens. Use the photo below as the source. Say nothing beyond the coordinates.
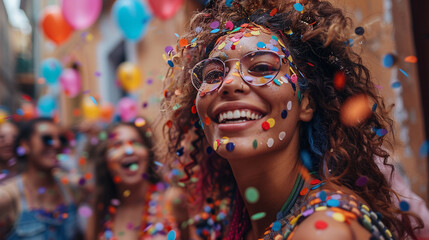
(256, 68)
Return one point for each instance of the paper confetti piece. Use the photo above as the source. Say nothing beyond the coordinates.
(258, 216)
(251, 194)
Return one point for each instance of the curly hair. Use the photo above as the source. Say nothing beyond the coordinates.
(317, 40)
(105, 186)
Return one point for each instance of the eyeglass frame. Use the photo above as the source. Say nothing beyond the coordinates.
(281, 58)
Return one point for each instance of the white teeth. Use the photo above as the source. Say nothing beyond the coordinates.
(237, 114)
(243, 113)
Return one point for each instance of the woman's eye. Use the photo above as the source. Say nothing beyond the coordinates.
(213, 77)
(262, 69)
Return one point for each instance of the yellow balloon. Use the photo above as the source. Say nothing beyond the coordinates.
(90, 110)
(129, 76)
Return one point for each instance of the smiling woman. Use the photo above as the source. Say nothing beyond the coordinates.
(130, 197)
(257, 85)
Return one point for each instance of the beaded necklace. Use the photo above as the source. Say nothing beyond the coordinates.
(108, 225)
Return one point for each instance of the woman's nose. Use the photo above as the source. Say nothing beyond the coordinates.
(233, 83)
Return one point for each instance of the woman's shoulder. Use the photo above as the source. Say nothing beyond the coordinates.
(330, 215)
(9, 188)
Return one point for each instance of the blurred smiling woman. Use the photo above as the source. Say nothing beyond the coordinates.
(255, 81)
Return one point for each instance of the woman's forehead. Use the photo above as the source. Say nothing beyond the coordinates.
(240, 43)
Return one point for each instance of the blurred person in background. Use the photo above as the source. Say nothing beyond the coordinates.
(8, 166)
(130, 198)
(34, 205)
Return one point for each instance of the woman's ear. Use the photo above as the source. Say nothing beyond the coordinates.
(307, 108)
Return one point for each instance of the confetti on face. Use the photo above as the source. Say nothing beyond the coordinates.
(282, 135)
(284, 114)
(359, 31)
(411, 59)
(270, 142)
(216, 144)
(320, 225)
(403, 72)
(289, 105)
(388, 60)
(251, 194)
(271, 122)
(230, 147)
(255, 144)
(260, 45)
(127, 193)
(265, 125)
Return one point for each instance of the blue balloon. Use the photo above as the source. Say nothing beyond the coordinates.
(51, 70)
(132, 18)
(46, 106)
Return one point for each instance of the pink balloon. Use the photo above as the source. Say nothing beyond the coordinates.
(165, 9)
(81, 14)
(70, 82)
(127, 109)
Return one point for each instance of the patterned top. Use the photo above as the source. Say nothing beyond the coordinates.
(341, 207)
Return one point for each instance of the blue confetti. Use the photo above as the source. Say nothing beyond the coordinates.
(260, 45)
(374, 107)
(424, 149)
(228, 3)
(20, 112)
(333, 203)
(93, 99)
(284, 114)
(298, 7)
(381, 132)
(180, 151)
(404, 206)
(306, 160)
(170, 63)
(323, 195)
(274, 49)
(276, 226)
(215, 30)
(158, 163)
(171, 235)
(388, 60)
(396, 85)
(276, 82)
(209, 150)
(403, 72)
(177, 35)
(230, 146)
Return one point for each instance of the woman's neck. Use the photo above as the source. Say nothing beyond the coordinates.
(134, 194)
(39, 179)
(273, 176)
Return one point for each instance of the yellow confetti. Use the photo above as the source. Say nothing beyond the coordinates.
(215, 145)
(272, 122)
(221, 46)
(255, 33)
(127, 193)
(224, 140)
(339, 217)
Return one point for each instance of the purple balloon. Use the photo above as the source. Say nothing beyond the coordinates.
(81, 14)
(70, 82)
(127, 108)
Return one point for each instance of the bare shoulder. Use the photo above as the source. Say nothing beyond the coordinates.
(330, 225)
(9, 196)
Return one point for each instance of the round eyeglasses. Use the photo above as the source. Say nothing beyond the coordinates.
(256, 68)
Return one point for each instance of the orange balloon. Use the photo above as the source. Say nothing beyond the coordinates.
(106, 112)
(54, 25)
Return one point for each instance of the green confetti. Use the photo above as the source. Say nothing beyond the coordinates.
(258, 216)
(252, 194)
(102, 136)
(134, 167)
(255, 144)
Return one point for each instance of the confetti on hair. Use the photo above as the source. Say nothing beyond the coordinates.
(362, 181)
(273, 12)
(298, 7)
(404, 206)
(228, 3)
(320, 225)
(355, 110)
(158, 163)
(183, 42)
(339, 80)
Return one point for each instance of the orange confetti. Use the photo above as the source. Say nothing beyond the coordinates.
(355, 110)
(117, 179)
(207, 120)
(88, 176)
(411, 59)
(273, 12)
(303, 191)
(228, 81)
(65, 215)
(183, 42)
(65, 180)
(339, 80)
(194, 109)
(82, 161)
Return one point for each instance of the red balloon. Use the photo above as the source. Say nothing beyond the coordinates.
(54, 25)
(165, 9)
